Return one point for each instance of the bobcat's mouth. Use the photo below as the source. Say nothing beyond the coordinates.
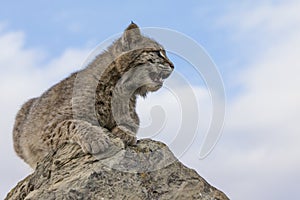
(159, 78)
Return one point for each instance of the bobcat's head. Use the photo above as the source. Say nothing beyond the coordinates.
(149, 64)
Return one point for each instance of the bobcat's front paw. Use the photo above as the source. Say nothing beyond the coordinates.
(125, 134)
(94, 143)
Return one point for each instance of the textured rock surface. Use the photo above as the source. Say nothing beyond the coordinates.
(147, 171)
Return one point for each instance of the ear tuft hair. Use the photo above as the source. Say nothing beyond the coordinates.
(131, 35)
(131, 26)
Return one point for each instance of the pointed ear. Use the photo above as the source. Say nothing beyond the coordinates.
(131, 35)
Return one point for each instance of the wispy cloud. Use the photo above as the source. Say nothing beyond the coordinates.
(260, 148)
(268, 16)
(25, 73)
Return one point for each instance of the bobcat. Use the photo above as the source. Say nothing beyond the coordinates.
(94, 107)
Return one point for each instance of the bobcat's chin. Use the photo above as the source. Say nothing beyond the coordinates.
(144, 90)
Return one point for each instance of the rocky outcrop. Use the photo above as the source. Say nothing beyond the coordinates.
(146, 171)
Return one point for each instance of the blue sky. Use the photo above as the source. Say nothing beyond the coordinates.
(255, 45)
(53, 26)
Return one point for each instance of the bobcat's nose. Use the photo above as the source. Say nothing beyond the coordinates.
(171, 65)
(166, 70)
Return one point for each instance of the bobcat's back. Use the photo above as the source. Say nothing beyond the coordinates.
(19, 124)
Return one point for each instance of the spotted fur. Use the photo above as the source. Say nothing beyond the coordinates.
(94, 107)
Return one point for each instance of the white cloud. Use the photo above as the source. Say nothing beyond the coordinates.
(25, 73)
(259, 151)
(267, 16)
(177, 116)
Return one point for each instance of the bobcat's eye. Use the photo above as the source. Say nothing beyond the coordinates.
(162, 54)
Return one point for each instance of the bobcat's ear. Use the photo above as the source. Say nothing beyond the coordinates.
(131, 35)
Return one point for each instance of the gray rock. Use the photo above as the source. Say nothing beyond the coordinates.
(146, 171)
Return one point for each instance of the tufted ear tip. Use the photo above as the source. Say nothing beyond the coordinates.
(131, 26)
(131, 34)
